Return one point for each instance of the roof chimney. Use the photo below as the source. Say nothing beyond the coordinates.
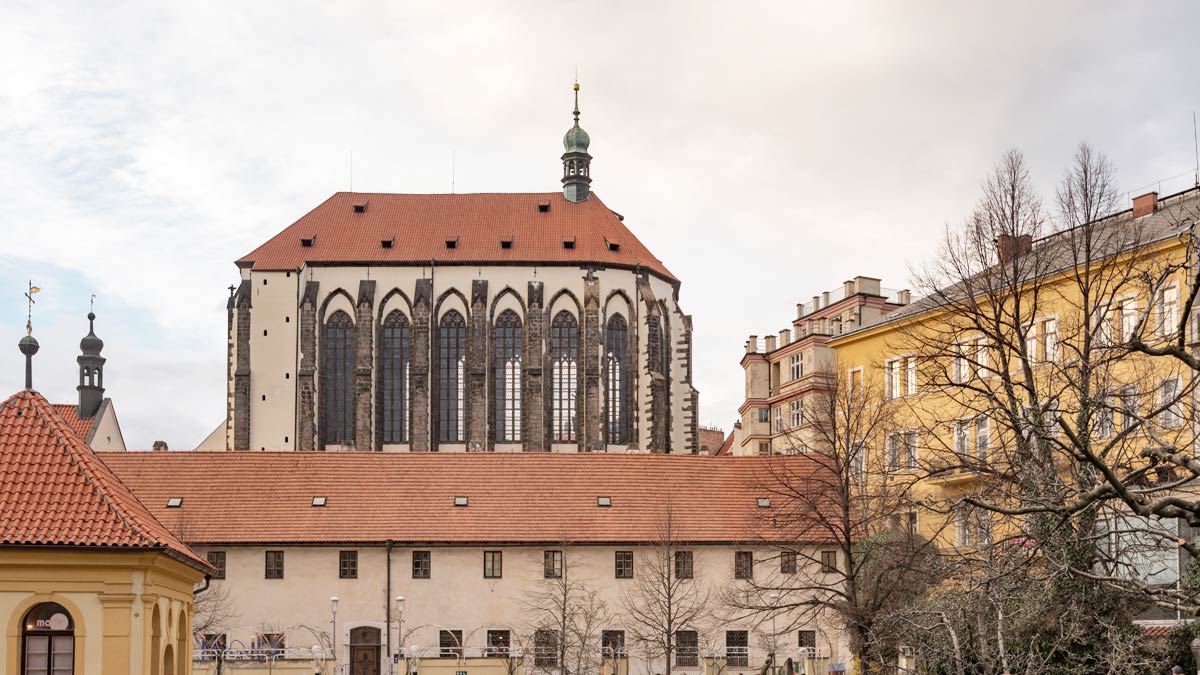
(1010, 247)
(752, 345)
(770, 343)
(1144, 205)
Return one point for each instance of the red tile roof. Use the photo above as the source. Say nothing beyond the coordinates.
(70, 413)
(422, 224)
(54, 491)
(266, 497)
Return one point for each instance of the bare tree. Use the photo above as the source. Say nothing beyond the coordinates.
(565, 618)
(851, 552)
(664, 597)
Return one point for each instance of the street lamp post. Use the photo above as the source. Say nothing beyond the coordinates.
(333, 603)
(399, 633)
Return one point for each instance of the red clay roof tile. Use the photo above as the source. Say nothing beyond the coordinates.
(266, 497)
(70, 413)
(55, 491)
(422, 224)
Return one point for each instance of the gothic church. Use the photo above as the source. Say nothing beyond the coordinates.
(460, 322)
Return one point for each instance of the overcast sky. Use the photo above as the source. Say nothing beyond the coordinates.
(765, 152)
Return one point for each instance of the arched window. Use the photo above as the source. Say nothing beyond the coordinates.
(564, 358)
(506, 374)
(48, 641)
(452, 350)
(616, 368)
(394, 356)
(337, 379)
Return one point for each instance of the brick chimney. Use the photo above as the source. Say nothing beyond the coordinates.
(1009, 247)
(1145, 204)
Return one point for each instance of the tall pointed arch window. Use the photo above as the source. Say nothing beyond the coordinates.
(337, 380)
(452, 351)
(616, 368)
(506, 374)
(564, 379)
(395, 353)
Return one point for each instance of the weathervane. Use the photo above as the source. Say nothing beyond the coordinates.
(29, 307)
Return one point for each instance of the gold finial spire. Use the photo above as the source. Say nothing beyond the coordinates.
(29, 307)
(576, 112)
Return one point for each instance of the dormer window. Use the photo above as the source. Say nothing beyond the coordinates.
(175, 503)
(612, 245)
(543, 207)
(452, 244)
(360, 207)
(506, 244)
(388, 243)
(307, 242)
(568, 244)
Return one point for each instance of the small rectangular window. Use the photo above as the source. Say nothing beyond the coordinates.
(687, 648)
(603, 501)
(320, 501)
(624, 561)
(388, 243)
(764, 448)
(763, 502)
(684, 565)
(569, 244)
(307, 242)
(420, 564)
(552, 563)
(461, 501)
(274, 564)
(743, 565)
(612, 246)
(347, 564)
(493, 564)
(452, 244)
(764, 415)
(737, 648)
(545, 648)
(506, 244)
(787, 562)
(829, 561)
(450, 644)
(217, 560)
(612, 643)
(543, 207)
(175, 502)
(360, 207)
(498, 643)
(808, 642)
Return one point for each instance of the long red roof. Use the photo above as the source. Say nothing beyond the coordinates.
(55, 491)
(266, 497)
(536, 224)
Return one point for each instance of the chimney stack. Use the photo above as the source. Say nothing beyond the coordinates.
(1009, 247)
(1144, 205)
(770, 343)
(752, 345)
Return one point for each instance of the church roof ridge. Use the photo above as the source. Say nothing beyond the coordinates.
(348, 228)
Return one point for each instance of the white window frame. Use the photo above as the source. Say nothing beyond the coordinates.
(796, 413)
(1128, 309)
(1168, 312)
(891, 377)
(910, 371)
(1172, 416)
(982, 431)
(1048, 338)
(777, 414)
(796, 366)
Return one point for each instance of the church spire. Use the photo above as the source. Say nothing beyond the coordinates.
(577, 172)
(91, 371)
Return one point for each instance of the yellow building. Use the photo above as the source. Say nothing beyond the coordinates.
(1028, 337)
(90, 582)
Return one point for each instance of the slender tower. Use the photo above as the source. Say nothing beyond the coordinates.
(91, 371)
(577, 163)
